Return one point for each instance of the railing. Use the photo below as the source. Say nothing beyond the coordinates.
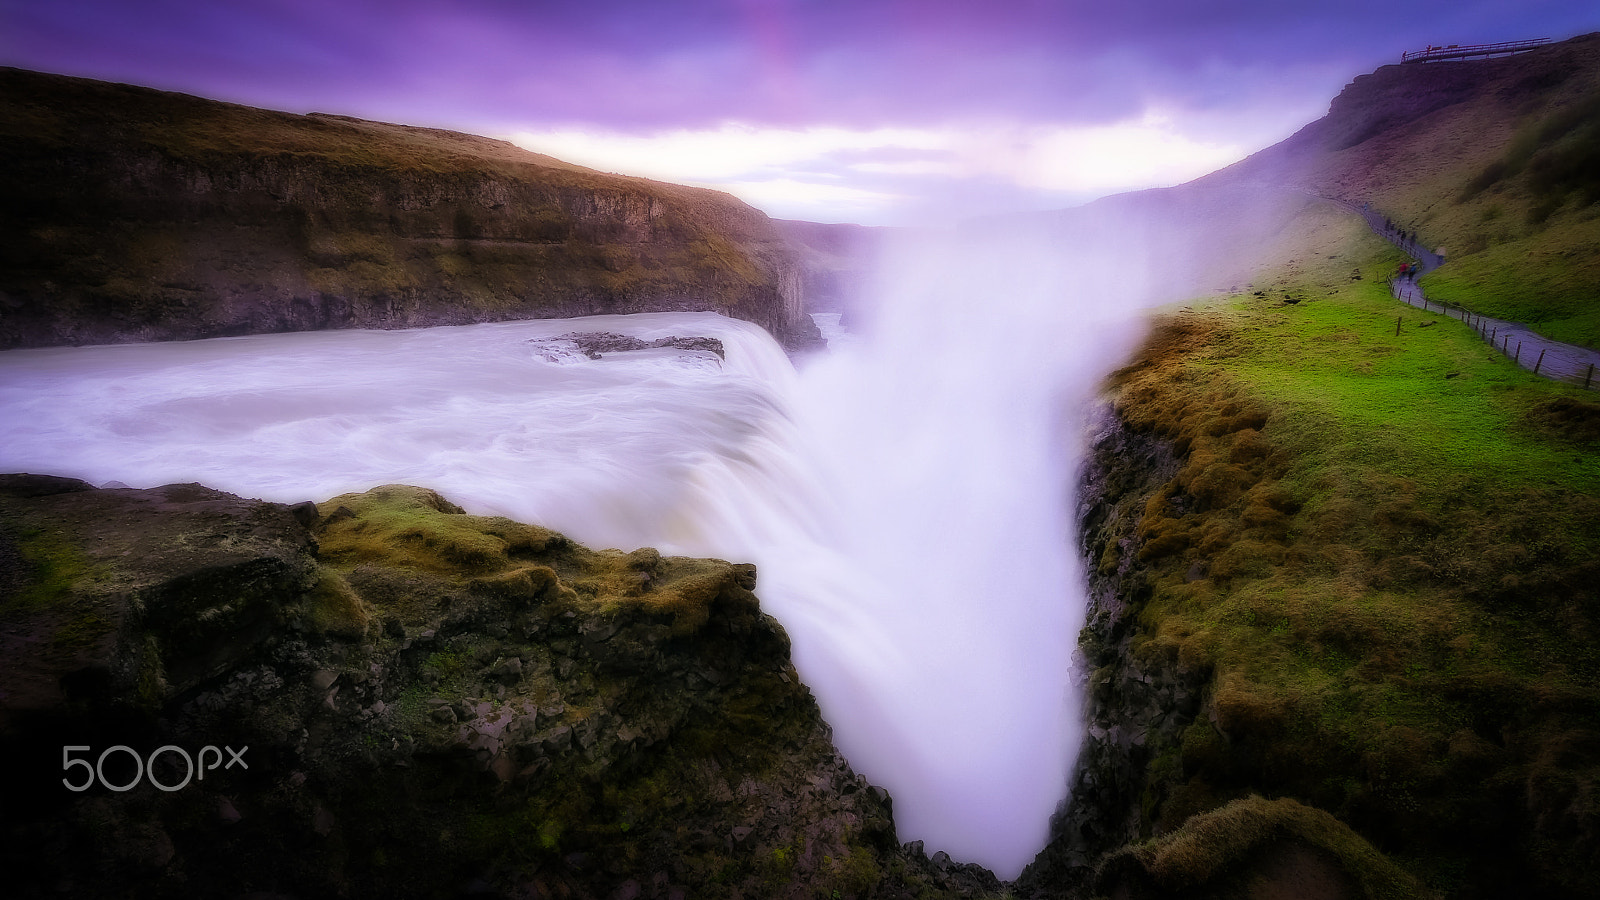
(1456, 51)
(1554, 360)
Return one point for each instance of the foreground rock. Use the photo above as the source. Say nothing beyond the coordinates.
(404, 700)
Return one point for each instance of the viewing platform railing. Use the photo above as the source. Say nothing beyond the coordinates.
(1456, 51)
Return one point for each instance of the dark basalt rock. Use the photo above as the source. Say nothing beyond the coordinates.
(1137, 707)
(596, 343)
(421, 703)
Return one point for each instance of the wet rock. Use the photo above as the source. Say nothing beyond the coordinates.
(509, 669)
(1138, 708)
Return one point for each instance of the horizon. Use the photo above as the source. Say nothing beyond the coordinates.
(871, 114)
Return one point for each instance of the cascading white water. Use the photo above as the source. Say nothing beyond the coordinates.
(906, 500)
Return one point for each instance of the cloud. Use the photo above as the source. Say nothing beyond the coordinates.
(1059, 98)
(796, 172)
(1147, 152)
(728, 152)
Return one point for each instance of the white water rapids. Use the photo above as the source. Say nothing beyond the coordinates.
(907, 499)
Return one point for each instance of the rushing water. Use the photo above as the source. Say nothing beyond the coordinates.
(906, 497)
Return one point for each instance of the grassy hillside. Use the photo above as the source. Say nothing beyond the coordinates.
(1378, 551)
(1381, 548)
(1495, 161)
(1385, 551)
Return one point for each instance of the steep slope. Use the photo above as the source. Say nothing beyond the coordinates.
(133, 214)
(1341, 553)
(1495, 162)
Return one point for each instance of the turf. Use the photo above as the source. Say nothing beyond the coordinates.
(1385, 550)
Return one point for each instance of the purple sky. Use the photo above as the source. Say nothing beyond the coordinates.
(879, 111)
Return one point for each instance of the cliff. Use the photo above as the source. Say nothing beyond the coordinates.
(836, 261)
(405, 701)
(129, 214)
(1349, 563)
(1342, 560)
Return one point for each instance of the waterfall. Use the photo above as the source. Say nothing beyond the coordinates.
(907, 500)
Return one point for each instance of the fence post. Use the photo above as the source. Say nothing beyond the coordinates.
(1588, 376)
(1518, 358)
(1539, 363)
(1492, 335)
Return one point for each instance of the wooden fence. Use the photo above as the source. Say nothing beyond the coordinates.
(1538, 354)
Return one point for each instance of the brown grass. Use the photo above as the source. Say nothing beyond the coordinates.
(402, 542)
(1217, 849)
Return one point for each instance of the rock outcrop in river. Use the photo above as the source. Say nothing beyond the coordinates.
(129, 214)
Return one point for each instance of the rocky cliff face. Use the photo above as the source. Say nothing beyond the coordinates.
(1135, 824)
(1189, 503)
(836, 261)
(1138, 707)
(129, 214)
(402, 700)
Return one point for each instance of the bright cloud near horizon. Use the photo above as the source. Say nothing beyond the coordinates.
(871, 111)
(829, 172)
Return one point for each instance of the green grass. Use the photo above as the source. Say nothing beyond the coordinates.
(51, 569)
(1548, 279)
(1207, 847)
(1434, 404)
(1384, 557)
(1520, 232)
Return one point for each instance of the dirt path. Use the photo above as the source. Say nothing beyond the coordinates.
(1552, 359)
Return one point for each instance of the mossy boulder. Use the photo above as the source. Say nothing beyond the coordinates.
(1259, 849)
(425, 703)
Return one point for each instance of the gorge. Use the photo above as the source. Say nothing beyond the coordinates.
(1317, 643)
(903, 501)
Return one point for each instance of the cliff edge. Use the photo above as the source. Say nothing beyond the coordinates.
(129, 214)
(380, 696)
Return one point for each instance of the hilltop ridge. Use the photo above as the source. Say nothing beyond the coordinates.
(1496, 162)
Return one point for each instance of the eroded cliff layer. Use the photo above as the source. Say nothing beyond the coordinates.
(128, 214)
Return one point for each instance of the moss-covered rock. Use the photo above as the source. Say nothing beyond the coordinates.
(1345, 629)
(433, 703)
(1259, 849)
